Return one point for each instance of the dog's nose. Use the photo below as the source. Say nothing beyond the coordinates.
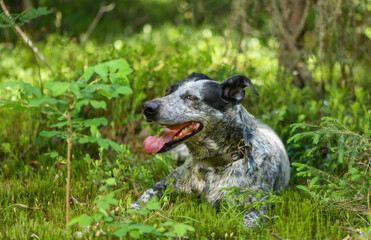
(150, 108)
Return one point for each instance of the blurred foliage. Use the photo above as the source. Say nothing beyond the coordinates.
(22, 18)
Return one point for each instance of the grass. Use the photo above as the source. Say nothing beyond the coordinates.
(295, 217)
(159, 58)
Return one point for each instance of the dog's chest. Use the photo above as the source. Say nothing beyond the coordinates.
(210, 181)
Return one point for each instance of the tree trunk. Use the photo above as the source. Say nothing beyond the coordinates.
(290, 17)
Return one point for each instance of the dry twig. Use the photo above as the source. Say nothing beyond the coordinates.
(102, 9)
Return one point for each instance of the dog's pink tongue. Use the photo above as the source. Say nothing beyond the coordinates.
(153, 144)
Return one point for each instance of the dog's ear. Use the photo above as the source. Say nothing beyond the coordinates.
(198, 76)
(233, 88)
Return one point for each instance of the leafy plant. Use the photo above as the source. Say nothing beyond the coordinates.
(348, 147)
(67, 99)
(127, 225)
(120, 168)
(348, 189)
(8, 20)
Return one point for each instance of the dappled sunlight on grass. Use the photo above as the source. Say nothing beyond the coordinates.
(160, 56)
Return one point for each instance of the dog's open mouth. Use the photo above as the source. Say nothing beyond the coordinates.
(170, 136)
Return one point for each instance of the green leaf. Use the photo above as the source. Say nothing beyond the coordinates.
(103, 143)
(105, 90)
(304, 188)
(73, 221)
(123, 72)
(98, 104)
(102, 204)
(103, 212)
(151, 205)
(121, 233)
(81, 103)
(114, 78)
(108, 94)
(32, 13)
(88, 73)
(27, 88)
(168, 223)
(97, 216)
(313, 182)
(117, 64)
(109, 219)
(57, 88)
(144, 228)
(112, 201)
(124, 90)
(36, 91)
(52, 154)
(51, 101)
(59, 125)
(96, 122)
(142, 211)
(84, 220)
(95, 132)
(36, 101)
(169, 235)
(110, 181)
(180, 229)
(10, 84)
(102, 71)
(134, 234)
(189, 228)
(115, 146)
(49, 133)
(87, 139)
(75, 89)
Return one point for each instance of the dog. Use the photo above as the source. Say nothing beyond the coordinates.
(227, 146)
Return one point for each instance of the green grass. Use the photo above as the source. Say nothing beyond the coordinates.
(161, 57)
(295, 217)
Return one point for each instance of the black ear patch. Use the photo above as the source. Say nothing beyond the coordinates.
(198, 76)
(233, 88)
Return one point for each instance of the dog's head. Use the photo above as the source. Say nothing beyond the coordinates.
(193, 109)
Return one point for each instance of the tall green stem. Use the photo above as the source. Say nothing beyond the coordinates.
(69, 143)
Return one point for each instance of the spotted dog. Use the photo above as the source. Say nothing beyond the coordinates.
(227, 146)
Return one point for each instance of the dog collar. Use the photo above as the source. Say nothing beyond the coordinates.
(244, 152)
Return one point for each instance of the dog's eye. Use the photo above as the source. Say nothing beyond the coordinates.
(167, 92)
(191, 97)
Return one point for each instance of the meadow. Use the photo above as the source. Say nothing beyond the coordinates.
(86, 109)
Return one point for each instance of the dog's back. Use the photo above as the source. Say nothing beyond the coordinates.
(270, 145)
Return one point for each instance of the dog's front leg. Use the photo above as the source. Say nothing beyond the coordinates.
(156, 189)
(254, 217)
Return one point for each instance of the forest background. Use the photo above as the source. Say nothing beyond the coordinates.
(73, 76)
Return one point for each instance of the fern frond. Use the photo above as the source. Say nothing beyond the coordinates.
(347, 191)
(19, 19)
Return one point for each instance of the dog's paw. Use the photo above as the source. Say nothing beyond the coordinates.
(252, 219)
(135, 205)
